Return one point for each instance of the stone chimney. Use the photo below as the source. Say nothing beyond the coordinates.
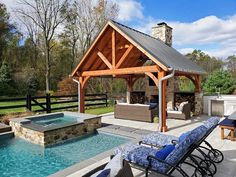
(163, 32)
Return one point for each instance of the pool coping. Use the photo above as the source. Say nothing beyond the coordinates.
(27, 122)
(113, 130)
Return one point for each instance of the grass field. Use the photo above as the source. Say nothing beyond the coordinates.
(97, 110)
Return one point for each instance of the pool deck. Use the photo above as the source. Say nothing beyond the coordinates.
(135, 130)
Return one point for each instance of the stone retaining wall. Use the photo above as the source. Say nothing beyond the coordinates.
(58, 135)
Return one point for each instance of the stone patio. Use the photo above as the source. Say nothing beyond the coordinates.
(136, 129)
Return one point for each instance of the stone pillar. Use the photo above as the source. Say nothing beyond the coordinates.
(128, 97)
(163, 32)
(172, 87)
(199, 103)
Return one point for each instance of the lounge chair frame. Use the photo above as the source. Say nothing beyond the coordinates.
(197, 164)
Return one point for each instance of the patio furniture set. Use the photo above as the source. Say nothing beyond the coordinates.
(147, 112)
(164, 154)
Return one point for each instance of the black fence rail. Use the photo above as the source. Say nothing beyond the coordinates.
(49, 103)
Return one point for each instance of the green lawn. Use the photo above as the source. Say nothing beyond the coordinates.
(101, 110)
(97, 110)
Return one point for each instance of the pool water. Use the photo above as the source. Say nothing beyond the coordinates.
(56, 121)
(20, 158)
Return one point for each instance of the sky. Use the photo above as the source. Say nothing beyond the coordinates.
(208, 25)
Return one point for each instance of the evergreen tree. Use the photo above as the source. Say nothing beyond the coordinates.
(6, 81)
(219, 81)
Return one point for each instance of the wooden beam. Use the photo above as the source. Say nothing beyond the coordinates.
(197, 83)
(81, 95)
(85, 81)
(124, 56)
(113, 48)
(123, 47)
(155, 60)
(155, 80)
(163, 98)
(104, 59)
(102, 32)
(132, 70)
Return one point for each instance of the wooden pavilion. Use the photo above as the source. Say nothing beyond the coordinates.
(122, 52)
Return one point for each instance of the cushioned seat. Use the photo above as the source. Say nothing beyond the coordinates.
(161, 139)
(228, 122)
(158, 139)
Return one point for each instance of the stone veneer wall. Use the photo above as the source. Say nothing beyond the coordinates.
(27, 134)
(58, 135)
(199, 103)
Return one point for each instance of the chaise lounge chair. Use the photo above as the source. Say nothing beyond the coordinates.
(159, 139)
(146, 157)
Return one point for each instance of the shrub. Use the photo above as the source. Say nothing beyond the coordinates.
(220, 80)
(67, 87)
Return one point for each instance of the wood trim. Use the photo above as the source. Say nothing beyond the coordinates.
(124, 56)
(131, 70)
(155, 60)
(197, 83)
(113, 48)
(104, 59)
(163, 99)
(149, 74)
(85, 81)
(89, 50)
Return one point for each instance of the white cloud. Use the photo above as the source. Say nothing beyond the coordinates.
(9, 4)
(129, 10)
(211, 31)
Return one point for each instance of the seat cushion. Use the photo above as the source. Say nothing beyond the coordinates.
(183, 136)
(139, 157)
(158, 139)
(228, 122)
(183, 146)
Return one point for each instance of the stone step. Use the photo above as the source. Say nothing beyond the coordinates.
(6, 135)
(4, 128)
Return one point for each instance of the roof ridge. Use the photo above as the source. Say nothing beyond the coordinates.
(137, 31)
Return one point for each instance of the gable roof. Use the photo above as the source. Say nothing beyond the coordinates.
(163, 53)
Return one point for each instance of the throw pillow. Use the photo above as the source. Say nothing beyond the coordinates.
(115, 164)
(182, 105)
(164, 152)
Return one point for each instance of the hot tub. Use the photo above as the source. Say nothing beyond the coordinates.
(50, 129)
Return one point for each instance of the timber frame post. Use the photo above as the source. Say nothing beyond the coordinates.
(83, 82)
(163, 99)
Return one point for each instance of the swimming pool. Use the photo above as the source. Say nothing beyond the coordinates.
(20, 158)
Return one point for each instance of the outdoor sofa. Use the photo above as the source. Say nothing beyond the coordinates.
(145, 156)
(138, 112)
(183, 113)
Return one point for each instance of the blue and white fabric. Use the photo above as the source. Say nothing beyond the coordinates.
(211, 122)
(138, 154)
(158, 139)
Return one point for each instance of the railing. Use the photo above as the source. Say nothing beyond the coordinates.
(49, 103)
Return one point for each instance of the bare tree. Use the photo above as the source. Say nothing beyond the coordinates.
(46, 14)
(32, 32)
(84, 19)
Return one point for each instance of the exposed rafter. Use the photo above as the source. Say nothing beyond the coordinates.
(113, 48)
(104, 59)
(124, 56)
